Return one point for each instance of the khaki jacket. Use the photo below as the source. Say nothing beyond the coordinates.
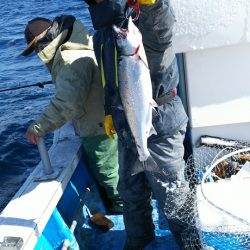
(78, 90)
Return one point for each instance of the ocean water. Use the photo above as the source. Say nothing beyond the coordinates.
(18, 108)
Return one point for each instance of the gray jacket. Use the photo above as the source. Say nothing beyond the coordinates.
(78, 90)
(155, 23)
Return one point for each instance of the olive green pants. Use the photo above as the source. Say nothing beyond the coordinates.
(102, 158)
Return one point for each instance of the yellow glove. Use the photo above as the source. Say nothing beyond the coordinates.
(146, 2)
(109, 126)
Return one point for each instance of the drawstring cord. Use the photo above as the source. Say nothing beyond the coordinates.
(134, 4)
(133, 8)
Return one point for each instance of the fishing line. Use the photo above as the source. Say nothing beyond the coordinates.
(38, 84)
(129, 13)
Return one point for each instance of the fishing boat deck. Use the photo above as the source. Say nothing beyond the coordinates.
(114, 239)
(28, 212)
(41, 212)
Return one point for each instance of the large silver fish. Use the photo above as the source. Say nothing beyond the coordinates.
(135, 86)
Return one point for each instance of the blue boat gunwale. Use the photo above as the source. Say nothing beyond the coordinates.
(28, 212)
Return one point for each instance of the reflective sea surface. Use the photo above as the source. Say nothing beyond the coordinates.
(18, 108)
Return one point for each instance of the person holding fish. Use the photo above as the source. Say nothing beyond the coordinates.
(143, 108)
(65, 46)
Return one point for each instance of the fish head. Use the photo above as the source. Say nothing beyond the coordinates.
(128, 40)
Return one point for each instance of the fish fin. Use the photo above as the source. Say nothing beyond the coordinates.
(154, 112)
(142, 56)
(149, 165)
(153, 103)
(115, 28)
(152, 131)
(137, 167)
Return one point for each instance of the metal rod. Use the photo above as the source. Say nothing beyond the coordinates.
(47, 168)
(66, 242)
(128, 14)
(79, 211)
(222, 142)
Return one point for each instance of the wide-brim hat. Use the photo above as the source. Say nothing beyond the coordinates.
(35, 30)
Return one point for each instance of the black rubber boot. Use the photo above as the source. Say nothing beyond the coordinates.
(127, 247)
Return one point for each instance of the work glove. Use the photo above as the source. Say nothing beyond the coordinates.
(109, 126)
(146, 2)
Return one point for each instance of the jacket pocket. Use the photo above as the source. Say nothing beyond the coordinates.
(170, 117)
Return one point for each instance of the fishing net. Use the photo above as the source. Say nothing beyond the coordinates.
(217, 208)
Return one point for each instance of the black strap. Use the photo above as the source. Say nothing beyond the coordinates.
(90, 2)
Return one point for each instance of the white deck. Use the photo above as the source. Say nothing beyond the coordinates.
(29, 210)
(211, 23)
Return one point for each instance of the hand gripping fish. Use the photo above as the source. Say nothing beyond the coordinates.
(136, 91)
